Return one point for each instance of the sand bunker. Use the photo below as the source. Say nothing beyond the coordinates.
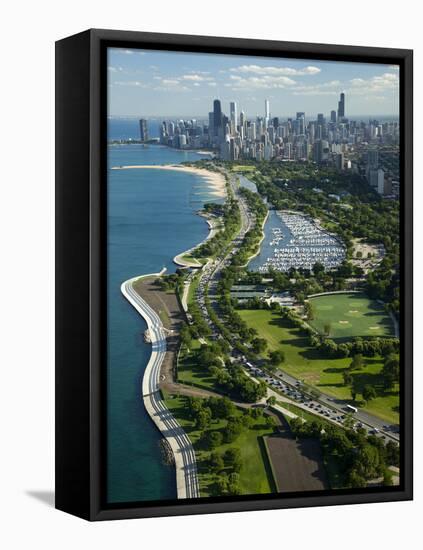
(353, 311)
(374, 328)
(344, 322)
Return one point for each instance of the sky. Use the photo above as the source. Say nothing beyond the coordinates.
(151, 83)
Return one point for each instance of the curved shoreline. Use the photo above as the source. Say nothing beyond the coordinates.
(214, 179)
(178, 259)
(187, 485)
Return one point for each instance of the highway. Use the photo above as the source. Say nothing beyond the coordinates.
(209, 278)
(185, 462)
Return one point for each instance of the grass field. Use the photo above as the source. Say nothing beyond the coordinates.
(350, 315)
(255, 475)
(243, 168)
(305, 363)
(192, 290)
(189, 372)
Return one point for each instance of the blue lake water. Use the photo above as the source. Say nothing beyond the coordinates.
(151, 218)
(266, 251)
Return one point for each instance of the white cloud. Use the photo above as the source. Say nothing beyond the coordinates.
(195, 77)
(263, 82)
(200, 72)
(130, 83)
(319, 89)
(170, 81)
(286, 71)
(170, 84)
(376, 84)
(128, 52)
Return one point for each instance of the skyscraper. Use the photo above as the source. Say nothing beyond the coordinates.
(217, 117)
(333, 116)
(266, 111)
(143, 130)
(341, 107)
(301, 123)
(242, 118)
(233, 116)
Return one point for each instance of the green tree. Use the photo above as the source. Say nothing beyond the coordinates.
(216, 462)
(259, 345)
(203, 418)
(276, 357)
(357, 362)
(234, 487)
(327, 329)
(368, 393)
(233, 458)
(212, 439)
(271, 401)
(356, 480)
(232, 430)
(221, 484)
(347, 376)
(270, 421)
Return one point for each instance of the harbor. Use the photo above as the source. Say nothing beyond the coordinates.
(294, 240)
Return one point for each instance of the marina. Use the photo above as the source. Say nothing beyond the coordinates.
(294, 240)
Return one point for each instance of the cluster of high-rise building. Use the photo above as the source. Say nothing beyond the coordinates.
(336, 140)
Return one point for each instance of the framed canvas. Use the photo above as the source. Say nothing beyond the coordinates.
(234, 274)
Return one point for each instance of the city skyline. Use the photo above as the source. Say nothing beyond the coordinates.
(162, 84)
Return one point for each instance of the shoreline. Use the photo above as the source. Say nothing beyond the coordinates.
(179, 258)
(215, 180)
(187, 484)
(263, 236)
(185, 460)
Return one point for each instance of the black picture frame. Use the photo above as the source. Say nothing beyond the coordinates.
(80, 269)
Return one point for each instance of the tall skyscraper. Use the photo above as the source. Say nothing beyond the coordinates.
(143, 130)
(340, 161)
(242, 118)
(233, 116)
(341, 107)
(321, 119)
(333, 116)
(217, 117)
(266, 111)
(300, 123)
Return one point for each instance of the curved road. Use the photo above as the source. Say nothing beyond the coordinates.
(183, 451)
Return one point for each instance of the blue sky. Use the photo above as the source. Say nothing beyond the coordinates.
(147, 83)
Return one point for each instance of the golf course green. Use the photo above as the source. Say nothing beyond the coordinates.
(349, 315)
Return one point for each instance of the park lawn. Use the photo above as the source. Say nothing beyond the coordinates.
(192, 259)
(243, 168)
(305, 363)
(192, 290)
(255, 474)
(350, 315)
(190, 373)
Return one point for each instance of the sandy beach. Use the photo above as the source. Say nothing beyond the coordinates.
(215, 180)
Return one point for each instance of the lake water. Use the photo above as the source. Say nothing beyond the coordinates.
(151, 218)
